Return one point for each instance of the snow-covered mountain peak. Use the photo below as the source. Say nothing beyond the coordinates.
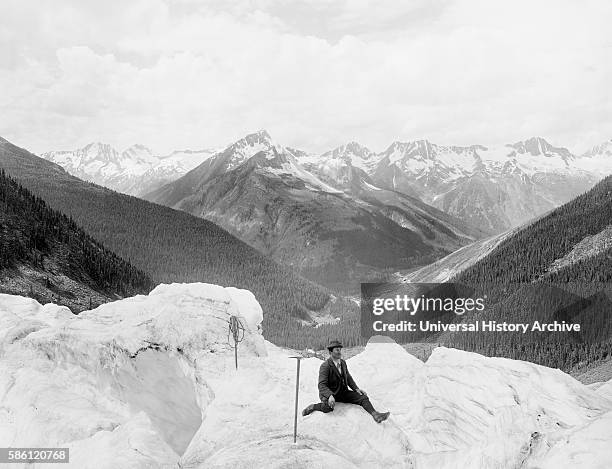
(339, 166)
(248, 146)
(424, 148)
(422, 158)
(98, 146)
(536, 146)
(340, 159)
(261, 137)
(349, 151)
(98, 151)
(417, 149)
(262, 133)
(401, 153)
(603, 149)
(597, 160)
(136, 170)
(139, 152)
(91, 162)
(282, 163)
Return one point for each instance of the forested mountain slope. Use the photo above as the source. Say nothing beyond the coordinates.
(559, 268)
(530, 253)
(46, 255)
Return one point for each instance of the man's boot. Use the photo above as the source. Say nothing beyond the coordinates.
(308, 410)
(380, 416)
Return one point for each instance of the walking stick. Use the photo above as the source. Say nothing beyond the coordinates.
(297, 390)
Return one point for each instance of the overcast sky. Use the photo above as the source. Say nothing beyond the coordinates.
(175, 74)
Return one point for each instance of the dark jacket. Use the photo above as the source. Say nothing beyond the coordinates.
(330, 380)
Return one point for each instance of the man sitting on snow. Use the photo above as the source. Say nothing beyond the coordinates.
(334, 383)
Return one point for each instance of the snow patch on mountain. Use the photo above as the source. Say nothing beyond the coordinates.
(597, 160)
(450, 266)
(371, 187)
(336, 165)
(289, 167)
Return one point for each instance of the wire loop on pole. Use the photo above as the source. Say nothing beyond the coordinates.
(236, 329)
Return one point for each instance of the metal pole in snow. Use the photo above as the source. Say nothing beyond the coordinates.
(236, 354)
(297, 390)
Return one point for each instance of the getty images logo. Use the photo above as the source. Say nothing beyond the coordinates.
(411, 305)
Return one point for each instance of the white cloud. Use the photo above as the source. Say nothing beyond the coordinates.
(194, 74)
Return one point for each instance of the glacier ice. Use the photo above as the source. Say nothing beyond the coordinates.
(149, 381)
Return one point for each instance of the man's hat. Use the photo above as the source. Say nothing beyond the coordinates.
(333, 344)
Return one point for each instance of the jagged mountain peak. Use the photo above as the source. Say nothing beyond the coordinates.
(138, 148)
(339, 165)
(100, 146)
(248, 146)
(604, 148)
(97, 151)
(357, 147)
(413, 149)
(139, 153)
(262, 133)
(260, 139)
(539, 146)
(260, 136)
(349, 150)
(297, 152)
(428, 150)
(134, 171)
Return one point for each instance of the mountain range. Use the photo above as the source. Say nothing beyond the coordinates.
(494, 188)
(337, 236)
(134, 171)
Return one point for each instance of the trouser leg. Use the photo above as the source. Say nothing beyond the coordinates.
(353, 397)
(322, 407)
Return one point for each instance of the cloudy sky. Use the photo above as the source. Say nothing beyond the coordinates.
(191, 74)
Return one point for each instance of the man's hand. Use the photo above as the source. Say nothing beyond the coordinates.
(362, 392)
(331, 401)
